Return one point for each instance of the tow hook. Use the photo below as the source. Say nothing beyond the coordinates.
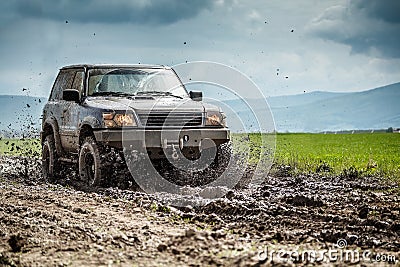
(175, 155)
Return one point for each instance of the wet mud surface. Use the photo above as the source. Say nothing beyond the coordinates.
(47, 224)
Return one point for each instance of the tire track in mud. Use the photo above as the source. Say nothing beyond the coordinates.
(314, 208)
(311, 211)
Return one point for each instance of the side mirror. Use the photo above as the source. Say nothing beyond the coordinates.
(196, 95)
(71, 95)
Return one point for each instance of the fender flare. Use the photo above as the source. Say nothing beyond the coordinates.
(88, 122)
(52, 122)
(91, 121)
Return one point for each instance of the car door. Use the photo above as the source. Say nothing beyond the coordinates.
(54, 107)
(70, 114)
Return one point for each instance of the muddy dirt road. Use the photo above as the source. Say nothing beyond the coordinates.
(44, 224)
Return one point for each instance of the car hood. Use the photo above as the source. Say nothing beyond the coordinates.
(146, 104)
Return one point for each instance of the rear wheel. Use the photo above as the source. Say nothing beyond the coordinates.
(91, 167)
(50, 164)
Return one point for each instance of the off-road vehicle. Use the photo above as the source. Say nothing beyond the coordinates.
(93, 109)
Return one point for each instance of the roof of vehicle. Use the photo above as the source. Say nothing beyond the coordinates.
(110, 66)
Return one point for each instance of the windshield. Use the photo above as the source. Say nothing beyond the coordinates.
(135, 82)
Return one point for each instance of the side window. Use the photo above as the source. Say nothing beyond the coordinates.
(63, 81)
(56, 87)
(78, 81)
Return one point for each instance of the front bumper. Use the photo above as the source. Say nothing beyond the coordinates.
(161, 138)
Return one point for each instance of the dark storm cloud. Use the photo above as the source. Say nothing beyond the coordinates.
(105, 11)
(387, 11)
(370, 27)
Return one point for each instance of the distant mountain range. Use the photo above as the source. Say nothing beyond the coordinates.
(378, 108)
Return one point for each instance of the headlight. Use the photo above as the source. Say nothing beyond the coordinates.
(124, 120)
(118, 120)
(215, 118)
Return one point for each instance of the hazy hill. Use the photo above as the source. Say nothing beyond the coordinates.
(323, 111)
(374, 109)
(302, 99)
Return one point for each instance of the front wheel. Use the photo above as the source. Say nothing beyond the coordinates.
(222, 158)
(50, 164)
(91, 169)
(212, 163)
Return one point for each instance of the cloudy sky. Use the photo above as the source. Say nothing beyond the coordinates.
(286, 47)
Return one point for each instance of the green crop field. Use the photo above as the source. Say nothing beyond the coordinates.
(353, 155)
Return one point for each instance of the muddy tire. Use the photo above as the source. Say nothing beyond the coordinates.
(224, 152)
(50, 163)
(216, 162)
(91, 167)
(220, 158)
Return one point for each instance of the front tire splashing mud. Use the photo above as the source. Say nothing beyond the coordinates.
(92, 169)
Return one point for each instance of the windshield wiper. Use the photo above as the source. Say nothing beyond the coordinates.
(158, 93)
(110, 94)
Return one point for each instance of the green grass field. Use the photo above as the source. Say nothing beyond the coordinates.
(352, 155)
(341, 154)
(18, 147)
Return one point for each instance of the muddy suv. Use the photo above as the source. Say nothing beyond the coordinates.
(93, 109)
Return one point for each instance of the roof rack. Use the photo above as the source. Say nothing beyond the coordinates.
(110, 66)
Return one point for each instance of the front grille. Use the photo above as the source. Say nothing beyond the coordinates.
(164, 118)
